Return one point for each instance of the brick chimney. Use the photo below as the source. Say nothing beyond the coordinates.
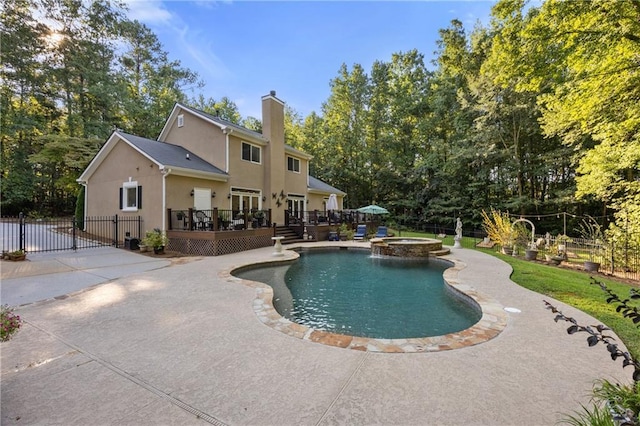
(274, 158)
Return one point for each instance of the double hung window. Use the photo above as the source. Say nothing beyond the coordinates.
(130, 197)
(250, 152)
(293, 164)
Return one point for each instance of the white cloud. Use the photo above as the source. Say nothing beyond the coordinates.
(201, 52)
(148, 12)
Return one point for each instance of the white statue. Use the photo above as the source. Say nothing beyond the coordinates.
(458, 228)
(458, 238)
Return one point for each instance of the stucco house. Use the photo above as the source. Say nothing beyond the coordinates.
(202, 163)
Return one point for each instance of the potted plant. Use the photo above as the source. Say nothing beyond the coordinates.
(499, 229)
(259, 216)
(591, 231)
(556, 253)
(345, 233)
(156, 239)
(17, 255)
(9, 323)
(532, 252)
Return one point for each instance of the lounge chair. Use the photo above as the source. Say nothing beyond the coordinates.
(361, 232)
(382, 232)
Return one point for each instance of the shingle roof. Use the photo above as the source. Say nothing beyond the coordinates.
(317, 184)
(171, 155)
(222, 121)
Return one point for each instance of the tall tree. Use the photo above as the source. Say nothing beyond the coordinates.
(24, 108)
(593, 103)
(225, 108)
(344, 118)
(155, 83)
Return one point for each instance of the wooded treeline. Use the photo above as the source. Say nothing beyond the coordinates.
(536, 113)
(72, 72)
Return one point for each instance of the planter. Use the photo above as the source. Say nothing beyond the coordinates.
(553, 260)
(507, 250)
(143, 248)
(158, 250)
(530, 254)
(17, 257)
(591, 266)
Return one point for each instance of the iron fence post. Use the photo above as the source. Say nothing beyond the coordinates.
(613, 250)
(21, 236)
(115, 230)
(73, 233)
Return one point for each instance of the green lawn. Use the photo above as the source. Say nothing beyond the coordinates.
(569, 286)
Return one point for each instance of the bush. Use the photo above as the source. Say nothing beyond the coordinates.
(79, 214)
(498, 227)
(155, 239)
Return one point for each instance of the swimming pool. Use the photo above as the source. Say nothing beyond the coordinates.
(349, 292)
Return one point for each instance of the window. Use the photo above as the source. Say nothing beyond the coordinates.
(250, 153)
(130, 197)
(293, 164)
(181, 120)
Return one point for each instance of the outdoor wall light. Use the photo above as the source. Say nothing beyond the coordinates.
(229, 196)
(264, 198)
(192, 192)
(213, 194)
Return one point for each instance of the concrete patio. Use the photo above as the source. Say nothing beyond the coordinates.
(183, 345)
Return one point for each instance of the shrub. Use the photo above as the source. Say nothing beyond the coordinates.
(155, 239)
(498, 227)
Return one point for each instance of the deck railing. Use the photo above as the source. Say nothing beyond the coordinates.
(191, 219)
(319, 217)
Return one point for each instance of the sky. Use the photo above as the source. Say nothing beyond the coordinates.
(245, 49)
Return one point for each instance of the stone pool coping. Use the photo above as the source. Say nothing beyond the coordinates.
(490, 325)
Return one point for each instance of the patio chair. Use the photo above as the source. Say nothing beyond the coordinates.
(361, 232)
(203, 221)
(382, 232)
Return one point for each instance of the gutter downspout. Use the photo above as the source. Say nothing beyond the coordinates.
(165, 172)
(227, 131)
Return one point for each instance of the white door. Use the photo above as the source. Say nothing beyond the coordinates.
(202, 199)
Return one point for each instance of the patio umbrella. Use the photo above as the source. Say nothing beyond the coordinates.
(332, 202)
(373, 209)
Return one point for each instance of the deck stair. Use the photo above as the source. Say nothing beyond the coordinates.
(289, 235)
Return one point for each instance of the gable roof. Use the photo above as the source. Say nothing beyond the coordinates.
(216, 121)
(166, 156)
(318, 186)
(227, 125)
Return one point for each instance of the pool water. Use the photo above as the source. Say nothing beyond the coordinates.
(350, 292)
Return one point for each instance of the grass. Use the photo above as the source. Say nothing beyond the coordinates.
(574, 288)
(569, 286)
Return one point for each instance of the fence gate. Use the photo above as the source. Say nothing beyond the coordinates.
(42, 235)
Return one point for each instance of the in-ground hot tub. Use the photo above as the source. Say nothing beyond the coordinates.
(407, 247)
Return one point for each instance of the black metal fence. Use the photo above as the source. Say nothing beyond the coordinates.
(41, 235)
